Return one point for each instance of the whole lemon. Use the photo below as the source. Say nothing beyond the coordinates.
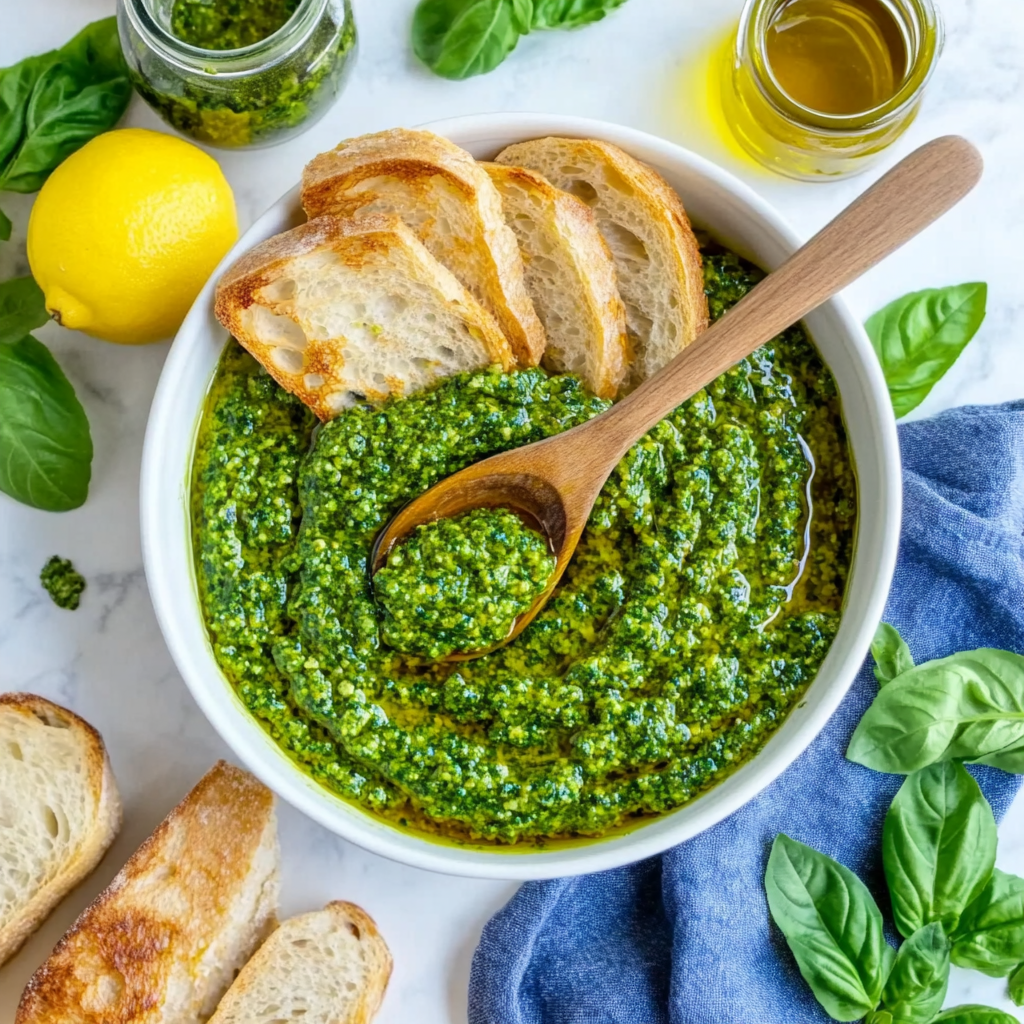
(125, 233)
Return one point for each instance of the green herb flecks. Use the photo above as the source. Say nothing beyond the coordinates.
(459, 584)
(919, 337)
(62, 582)
(228, 24)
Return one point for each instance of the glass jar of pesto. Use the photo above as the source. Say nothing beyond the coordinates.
(237, 73)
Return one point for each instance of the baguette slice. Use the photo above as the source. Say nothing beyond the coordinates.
(163, 942)
(329, 967)
(646, 228)
(448, 199)
(339, 311)
(570, 277)
(59, 811)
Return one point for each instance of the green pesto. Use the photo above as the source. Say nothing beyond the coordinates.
(259, 105)
(698, 607)
(459, 584)
(61, 581)
(228, 24)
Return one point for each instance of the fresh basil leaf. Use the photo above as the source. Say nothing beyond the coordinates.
(891, 653)
(77, 93)
(461, 38)
(22, 308)
(974, 1014)
(919, 337)
(16, 85)
(5, 227)
(968, 706)
(878, 1017)
(938, 847)
(990, 936)
(45, 445)
(917, 983)
(571, 13)
(1016, 985)
(832, 926)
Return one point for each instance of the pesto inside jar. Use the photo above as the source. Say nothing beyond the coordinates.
(292, 64)
(459, 584)
(228, 24)
(702, 598)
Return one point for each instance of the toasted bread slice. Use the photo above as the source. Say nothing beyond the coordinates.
(570, 277)
(447, 198)
(59, 810)
(328, 967)
(163, 942)
(339, 311)
(644, 223)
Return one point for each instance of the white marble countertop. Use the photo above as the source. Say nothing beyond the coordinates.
(108, 661)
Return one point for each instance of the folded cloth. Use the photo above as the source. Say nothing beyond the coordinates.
(685, 938)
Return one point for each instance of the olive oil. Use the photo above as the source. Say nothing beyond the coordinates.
(836, 56)
(816, 89)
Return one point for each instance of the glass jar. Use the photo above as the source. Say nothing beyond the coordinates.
(797, 141)
(257, 95)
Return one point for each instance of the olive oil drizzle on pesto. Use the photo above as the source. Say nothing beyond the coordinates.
(457, 585)
(675, 645)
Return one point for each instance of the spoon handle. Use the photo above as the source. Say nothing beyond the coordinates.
(917, 191)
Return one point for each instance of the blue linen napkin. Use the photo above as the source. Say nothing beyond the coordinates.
(684, 938)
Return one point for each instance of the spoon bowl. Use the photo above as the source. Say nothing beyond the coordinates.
(556, 481)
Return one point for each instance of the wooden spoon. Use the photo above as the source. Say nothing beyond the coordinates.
(555, 482)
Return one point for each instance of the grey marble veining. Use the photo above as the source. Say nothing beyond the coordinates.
(107, 660)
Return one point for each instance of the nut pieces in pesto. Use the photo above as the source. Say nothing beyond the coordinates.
(458, 585)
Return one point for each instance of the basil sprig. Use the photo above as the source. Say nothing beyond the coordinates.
(948, 899)
(891, 653)
(54, 103)
(919, 337)
(990, 936)
(916, 986)
(938, 848)
(974, 1015)
(968, 707)
(44, 432)
(1016, 986)
(461, 38)
(832, 925)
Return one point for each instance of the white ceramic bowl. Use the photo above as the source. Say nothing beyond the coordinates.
(738, 218)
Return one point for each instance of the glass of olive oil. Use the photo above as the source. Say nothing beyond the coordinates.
(817, 88)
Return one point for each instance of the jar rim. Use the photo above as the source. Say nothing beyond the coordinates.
(751, 38)
(278, 46)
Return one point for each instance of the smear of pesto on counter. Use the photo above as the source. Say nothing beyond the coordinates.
(62, 582)
(228, 24)
(698, 607)
(459, 584)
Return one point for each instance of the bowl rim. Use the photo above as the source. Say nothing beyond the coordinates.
(239, 729)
